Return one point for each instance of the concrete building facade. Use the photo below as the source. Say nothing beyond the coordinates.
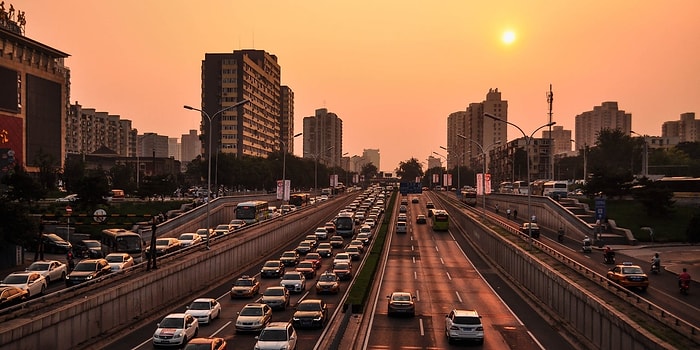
(323, 137)
(687, 129)
(561, 139)
(605, 116)
(87, 130)
(372, 156)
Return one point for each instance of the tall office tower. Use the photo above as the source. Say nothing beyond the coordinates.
(372, 156)
(482, 132)
(191, 147)
(287, 119)
(561, 139)
(174, 148)
(605, 116)
(34, 97)
(456, 125)
(687, 129)
(434, 162)
(151, 142)
(88, 130)
(253, 129)
(323, 137)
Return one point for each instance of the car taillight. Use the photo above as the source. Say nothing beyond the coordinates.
(454, 328)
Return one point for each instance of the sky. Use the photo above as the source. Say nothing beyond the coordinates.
(392, 70)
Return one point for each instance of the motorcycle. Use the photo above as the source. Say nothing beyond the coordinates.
(655, 266)
(684, 286)
(609, 258)
(587, 246)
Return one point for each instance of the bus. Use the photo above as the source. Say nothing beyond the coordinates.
(115, 240)
(345, 225)
(440, 220)
(469, 196)
(299, 199)
(555, 189)
(253, 211)
(520, 187)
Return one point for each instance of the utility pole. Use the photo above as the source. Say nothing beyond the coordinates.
(550, 100)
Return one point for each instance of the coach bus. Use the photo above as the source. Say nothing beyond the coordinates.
(440, 220)
(253, 211)
(299, 199)
(555, 189)
(345, 225)
(469, 196)
(122, 241)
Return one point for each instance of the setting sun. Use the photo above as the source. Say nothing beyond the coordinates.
(508, 37)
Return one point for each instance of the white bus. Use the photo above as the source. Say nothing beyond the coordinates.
(345, 225)
(253, 211)
(115, 240)
(555, 189)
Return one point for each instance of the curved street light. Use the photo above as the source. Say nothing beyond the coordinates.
(210, 118)
(527, 146)
(483, 174)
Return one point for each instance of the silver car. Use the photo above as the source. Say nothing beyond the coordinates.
(276, 297)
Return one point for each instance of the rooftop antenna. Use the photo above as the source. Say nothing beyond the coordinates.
(550, 101)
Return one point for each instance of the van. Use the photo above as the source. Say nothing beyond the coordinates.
(401, 227)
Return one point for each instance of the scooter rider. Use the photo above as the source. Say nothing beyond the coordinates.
(656, 262)
(560, 234)
(684, 277)
(609, 255)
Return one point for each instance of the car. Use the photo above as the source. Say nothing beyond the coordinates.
(304, 247)
(430, 205)
(276, 297)
(307, 267)
(364, 238)
(330, 227)
(356, 243)
(188, 239)
(119, 261)
(337, 242)
(370, 222)
(365, 229)
(33, 282)
(328, 282)
(10, 295)
(342, 256)
(52, 270)
(343, 269)
(253, 317)
(415, 200)
(313, 240)
(310, 313)
(315, 257)
(464, 325)
(324, 250)
(290, 258)
(404, 201)
(87, 270)
(294, 281)
(245, 287)
(401, 303)
(55, 244)
(403, 209)
(277, 336)
(236, 224)
(175, 330)
(223, 229)
(68, 199)
(204, 310)
(401, 227)
(206, 234)
(165, 245)
(421, 219)
(207, 344)
(526, 229)
(629, 275)
(272, 268)
(88, 248)
(321, 233)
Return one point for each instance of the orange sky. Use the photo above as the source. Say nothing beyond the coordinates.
(392, 70)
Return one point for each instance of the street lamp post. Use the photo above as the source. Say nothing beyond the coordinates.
(442, 180)
(284, 166)
(210, 118)
(645, 160)
(483, 174)
(527, 145)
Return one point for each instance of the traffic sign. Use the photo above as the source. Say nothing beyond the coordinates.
(100, 215)
(69, 209)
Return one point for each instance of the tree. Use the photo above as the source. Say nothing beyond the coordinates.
(17, 226)
(409, 170)
(22, 187)
(611, 163)
(48, 170)
(92, 189)
(658, 201)
(369, 171)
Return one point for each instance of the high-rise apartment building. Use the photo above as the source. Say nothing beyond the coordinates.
(150, 142)
(191, 146)
(253, 129)
(434, 162)
(605, 116)
(323, 137)
(287, 117)
(687, 129)
(34, 97)
(371, 156)
(561, 139)
(87, 130)
(174, 148)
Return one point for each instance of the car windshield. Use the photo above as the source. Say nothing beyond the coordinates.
(341, 266)
(292, 276)
(187, 237)
(289, 255)
(277, 292)
(273, 335)
(305, 265)
(92, 244)
(327, 278)
(199, 305)
(115, 258)
(309, 307)
(172, 322)
(163, 242)
(632, 270)
(251, 311)
(243, 283)
(272, 264)
(401, 297)
(38, 267)
(467, 320)
(85, 266)
(16, 279)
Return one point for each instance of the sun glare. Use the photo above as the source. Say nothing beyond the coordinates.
(508, 37)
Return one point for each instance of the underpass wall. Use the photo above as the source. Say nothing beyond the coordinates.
(117, 306)
(589, 317)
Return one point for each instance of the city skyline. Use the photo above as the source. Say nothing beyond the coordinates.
(392, 71)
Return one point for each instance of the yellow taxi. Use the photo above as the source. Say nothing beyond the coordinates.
(629, 275)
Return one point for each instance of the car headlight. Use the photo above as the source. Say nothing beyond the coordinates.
(295, 318)
(318, 318)
(89, 277)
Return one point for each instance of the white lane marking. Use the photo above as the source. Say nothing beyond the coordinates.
(417, 295)
(422, 331)
(220, 329)
(449, 277)
(437, 249)
(442, 261)
(414, 259)
(458, 297)
(415, 275)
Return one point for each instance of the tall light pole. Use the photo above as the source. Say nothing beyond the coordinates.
(284, 167)
(210, 118)
(483, 174)
(459, 188)
(645, 159)
(442, 180)
(585, 160)
(527, 150)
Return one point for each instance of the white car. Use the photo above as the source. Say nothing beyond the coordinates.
(52, 270)
(253, 317)
(235, 224)
(188, 239)
(204, 310)
(370, 222)
(33, 282)
(342, 257)
(464, 325)
(119, 261)
(294, 281)
(321, 233)
(276, 336)
(176, 330)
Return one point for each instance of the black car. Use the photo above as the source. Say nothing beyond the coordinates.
(272, 268)
(88, 248)
(55, 244)
(87, 270)
(310, 313)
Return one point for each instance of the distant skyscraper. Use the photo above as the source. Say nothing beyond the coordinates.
(606, 116)
(191, 146)
(87, 130)
(687, 129)
(253, 129)
(434, 162)
(287, 119)
(561, 139)
(150, 142)
(174, 148)
(371, 156)
(323, 137)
